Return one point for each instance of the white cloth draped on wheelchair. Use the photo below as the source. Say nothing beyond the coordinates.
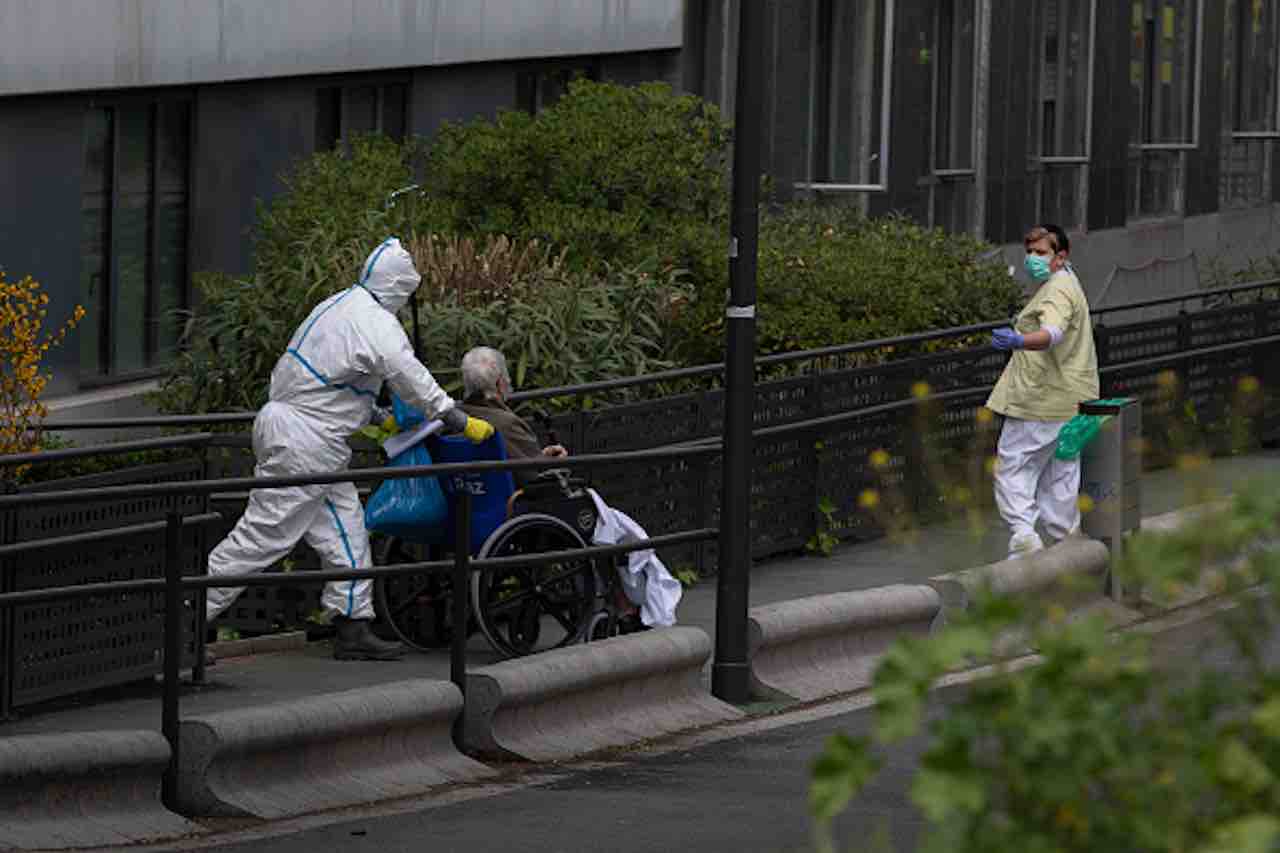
(645, 579)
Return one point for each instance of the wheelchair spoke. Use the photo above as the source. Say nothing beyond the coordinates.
(410, 598)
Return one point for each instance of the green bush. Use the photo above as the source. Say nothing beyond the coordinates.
(613, 173)
(1102, 743)
(829, 276)
(556, 325)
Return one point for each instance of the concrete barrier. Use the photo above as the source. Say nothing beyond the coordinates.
(1072, 573)
(84, 789)
(322, 752)
(825, 645)
(585, 698)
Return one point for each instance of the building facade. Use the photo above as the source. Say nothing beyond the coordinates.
(137, 135)
(1146, 128)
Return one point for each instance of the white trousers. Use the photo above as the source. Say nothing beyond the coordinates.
(329, 517)
(1031, 484)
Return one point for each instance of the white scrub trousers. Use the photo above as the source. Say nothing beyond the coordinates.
(1031, 484)
(329, 517)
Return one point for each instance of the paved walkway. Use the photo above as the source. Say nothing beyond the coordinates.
(268, 678)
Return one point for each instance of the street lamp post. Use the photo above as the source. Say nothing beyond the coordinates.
(730, 673)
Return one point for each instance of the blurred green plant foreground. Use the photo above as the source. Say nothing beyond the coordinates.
(1098, 745)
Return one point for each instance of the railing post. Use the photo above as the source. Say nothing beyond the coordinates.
(172, 650)
(731, 673)
(198, 624)
(8, 654)
(461, 609)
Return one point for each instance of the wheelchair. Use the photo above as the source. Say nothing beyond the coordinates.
(519, 610)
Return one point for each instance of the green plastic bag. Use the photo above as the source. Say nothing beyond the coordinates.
(1077, 433)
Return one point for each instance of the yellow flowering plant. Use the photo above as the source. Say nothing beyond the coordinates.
(24, 343)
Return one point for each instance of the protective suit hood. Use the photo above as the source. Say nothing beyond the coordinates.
(389, 275)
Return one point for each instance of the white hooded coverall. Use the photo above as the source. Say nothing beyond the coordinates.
(322, 391)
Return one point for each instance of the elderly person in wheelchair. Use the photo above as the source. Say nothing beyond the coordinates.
(651, 593)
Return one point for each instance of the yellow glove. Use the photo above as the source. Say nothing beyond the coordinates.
(477, 430)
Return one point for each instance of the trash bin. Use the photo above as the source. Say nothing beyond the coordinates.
(1110, 476)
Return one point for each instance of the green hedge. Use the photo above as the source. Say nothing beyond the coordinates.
(628, 187)
(829, 276)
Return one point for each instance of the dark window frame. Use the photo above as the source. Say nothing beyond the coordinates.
(334, 127)
(532, 80)
(104, 372)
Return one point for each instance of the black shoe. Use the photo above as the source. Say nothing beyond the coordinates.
(355, 641)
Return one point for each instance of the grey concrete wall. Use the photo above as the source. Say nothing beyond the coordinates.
(64, 45)
(1229, 239)
(41, 160)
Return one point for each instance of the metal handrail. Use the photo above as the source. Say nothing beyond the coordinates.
(674, 374)
(44, 595)
(103, 535)
(64, 453)
(351, 475)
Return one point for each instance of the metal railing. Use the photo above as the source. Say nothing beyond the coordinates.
(174, 584)
(683, 373)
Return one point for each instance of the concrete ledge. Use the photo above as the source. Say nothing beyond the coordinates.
(1066, 571)
(1071, 573)
(824, 645)
(84, 789)
(289, 641)
(323, 752)
(581, 699)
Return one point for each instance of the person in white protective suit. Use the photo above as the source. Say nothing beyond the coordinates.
(323, 390)
(648, 586)
(1053, 368)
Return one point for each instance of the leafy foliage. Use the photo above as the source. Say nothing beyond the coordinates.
(24, 343)
(828, 275)
(556, 326)
(1097, 746)
(612, 173)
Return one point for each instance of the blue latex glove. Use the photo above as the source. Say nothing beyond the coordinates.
(1007, 338)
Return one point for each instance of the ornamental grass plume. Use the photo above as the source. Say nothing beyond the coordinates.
(23, 345)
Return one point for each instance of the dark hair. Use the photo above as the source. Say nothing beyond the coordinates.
(1061, 243)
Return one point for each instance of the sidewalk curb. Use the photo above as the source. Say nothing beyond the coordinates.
(585, 698)
(290, 641)
(84, 789)
(322, 752)
(1066, 571)
(824, 645)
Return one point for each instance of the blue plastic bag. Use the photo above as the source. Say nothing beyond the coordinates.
(411, 508)
(407, 417)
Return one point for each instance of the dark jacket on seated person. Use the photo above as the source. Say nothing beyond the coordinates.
(519, 437)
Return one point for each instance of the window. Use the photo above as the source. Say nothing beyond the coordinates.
(346, 111)
(1164, 73)
(1251, 108)
(538, 89)
(954, 201)
(851, 61)
(134, 220)
(1062, 108)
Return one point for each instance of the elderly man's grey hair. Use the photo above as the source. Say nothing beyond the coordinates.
(482, 369)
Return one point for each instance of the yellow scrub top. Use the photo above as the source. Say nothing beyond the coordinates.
(1047, 385)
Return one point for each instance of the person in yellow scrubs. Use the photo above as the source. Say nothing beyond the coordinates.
(1053, 368)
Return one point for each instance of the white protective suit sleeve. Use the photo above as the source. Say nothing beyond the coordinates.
(645, 579)
(408, 377)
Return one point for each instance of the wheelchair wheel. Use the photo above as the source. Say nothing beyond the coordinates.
(534, 608)
(415, 607)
